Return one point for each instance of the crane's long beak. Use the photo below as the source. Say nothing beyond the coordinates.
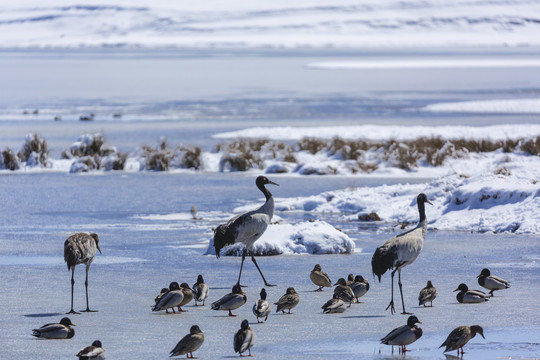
(429, 202)
(97, 245)
(482, 335)
(273, 183)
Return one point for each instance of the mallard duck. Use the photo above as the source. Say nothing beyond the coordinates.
(160, 295)
(467, 296)
(62, 330)
(320, 278)
(429, 293)
(360, 287)
(188, 296)
(404, 335)
(288, 301)
(262, 307)
(231, 301)
(492, 282)
(189, 343)
(244, 339)
(201, 290)
(350, 279)
(344, 291)
(171, 299)
(94, 351)
(334, 305)
(460, 336)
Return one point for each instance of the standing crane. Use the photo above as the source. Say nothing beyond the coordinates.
(401, 250)
(246, 228)
(80, 248)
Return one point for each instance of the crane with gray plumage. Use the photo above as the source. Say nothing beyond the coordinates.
(80, 248)
(400, 251)
(246, 228)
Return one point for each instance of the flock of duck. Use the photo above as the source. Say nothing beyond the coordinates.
(246, 228)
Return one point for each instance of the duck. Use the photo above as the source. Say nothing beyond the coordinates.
(231, 301)
(160, 295)
(428, 293)
(334, 305)
(262, 307)
(320, 278)
(171, 299)
(244, 339)
(200, 290)
(344, 291)
(288, 301)
(360, 287)
(404, 335)
(460, 336)
(94, 351)
(492, 282)
(350, 279)
(61, 330)
(188, 296)
(189, 343)
(466, 296)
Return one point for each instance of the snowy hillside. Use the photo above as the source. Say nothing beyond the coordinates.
(316, 23)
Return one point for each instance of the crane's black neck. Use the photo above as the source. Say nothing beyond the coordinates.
(264, 190)
(421, 210)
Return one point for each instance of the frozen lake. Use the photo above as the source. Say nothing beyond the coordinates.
(143, 252)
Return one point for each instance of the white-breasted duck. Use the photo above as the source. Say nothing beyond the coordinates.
(360, 287)
(61, 330)
(404, 335)
(262, 307)
(244, 339)
(492, 282)
(334, 305)
(466, 296)
(171, 299)
(231, 301)
(94, 351)
(201, 290)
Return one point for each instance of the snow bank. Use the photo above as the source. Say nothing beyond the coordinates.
(506, 200)
(381, 132)
(508, 106)
(317, 237)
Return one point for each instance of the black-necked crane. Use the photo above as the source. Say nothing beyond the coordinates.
(400, 251)
(246, 228)
(80, 248)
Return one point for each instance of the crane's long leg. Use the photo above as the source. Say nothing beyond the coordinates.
(401, 292)
(255, 262)
(242, 265)
(86, 285)
(72, 284)
(391, 305)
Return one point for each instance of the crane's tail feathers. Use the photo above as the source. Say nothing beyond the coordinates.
(381, 261)
(71, 255)
(222, 238)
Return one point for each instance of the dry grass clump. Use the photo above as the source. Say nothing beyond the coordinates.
(530, 146)
(87, 145)
(91, 153)
(192, 157)
(162, 157)
(312, 145)
(34, 151)
(9, 160)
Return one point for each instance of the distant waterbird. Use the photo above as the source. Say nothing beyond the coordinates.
(288, 301)
(460, 336)
(231, 301)
(320, 278)
(80, 248)
(246, 228)
(244, 339)
(404, 335)
(427, 294)
(201, 290)
(400, 251)
(492, 282)
(262, 307)
(466, 296)
(94, 351)
(189, 343)
(170, 299)
(61, 330)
